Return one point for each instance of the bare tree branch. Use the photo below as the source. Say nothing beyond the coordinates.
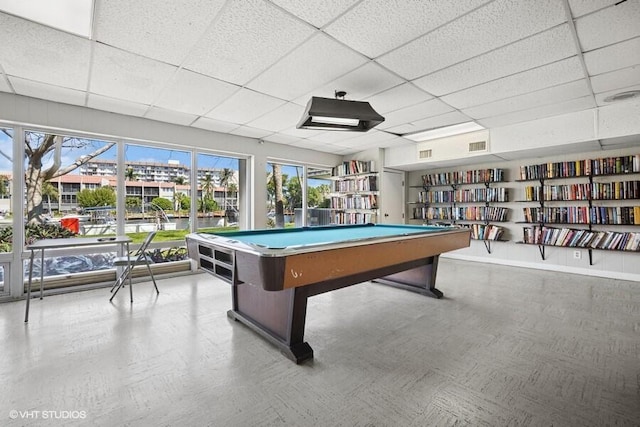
(82, 160)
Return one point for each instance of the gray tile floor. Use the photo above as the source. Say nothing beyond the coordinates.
(507, 346)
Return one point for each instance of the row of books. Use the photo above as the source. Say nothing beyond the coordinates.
(483, 194)
(481, 213)
(470, 213)
(485, 231)
(622, 215)
(353, 218)
(564, 214)
(352, 167)
(365, 183)
(624, 190)
(464, 177)
(614, 215)
(600, 166)
(557, 192)
(611, 240)
(358, 201)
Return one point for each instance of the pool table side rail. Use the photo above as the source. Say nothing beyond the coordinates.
(233, 244)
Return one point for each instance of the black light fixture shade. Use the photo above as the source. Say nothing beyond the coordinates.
(339, 114)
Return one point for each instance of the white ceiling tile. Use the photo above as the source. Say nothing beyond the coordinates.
(447, 119)
(313, 64)
(601, 96)
(4, 84)
(570, 106)
(610, 25)
(538, 78)
(214, 125)
(365, 28)
(45, 91)
(318, 146)
(543, 48)
(433, 107)
(244, 106)
(616, 79)
(113, 105)
(334, 137)
(398, 97)
(119, 74)
(35, 52)
(371, 137)
(362, 82)
(621, 55)
(301, 133)
(250, 132)
(249, 36)
(487, 28)
(282, 117)
(582, 7)
(281, 138)
(194, 93)
(160, 29)
(169, 116)
(552, 95)
(316, 12)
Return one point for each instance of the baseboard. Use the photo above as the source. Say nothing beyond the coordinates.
(547, 267)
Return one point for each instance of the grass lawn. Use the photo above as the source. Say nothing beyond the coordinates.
(173, 235)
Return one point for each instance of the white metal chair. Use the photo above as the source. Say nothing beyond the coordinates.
(128, 262)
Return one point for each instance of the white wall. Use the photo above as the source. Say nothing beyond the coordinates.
(70, 119)
(573, 132)
(611, 264)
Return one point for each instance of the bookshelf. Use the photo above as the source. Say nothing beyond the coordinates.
(600, 199)
(354, 193)
(466, 199)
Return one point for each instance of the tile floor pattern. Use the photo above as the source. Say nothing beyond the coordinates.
(506, 347)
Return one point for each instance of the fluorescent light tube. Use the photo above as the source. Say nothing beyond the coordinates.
(444, 131)
(335, 121)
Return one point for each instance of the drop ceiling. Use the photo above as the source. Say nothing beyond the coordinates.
(248, 67)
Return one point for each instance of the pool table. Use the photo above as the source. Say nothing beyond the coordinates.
(274, 271)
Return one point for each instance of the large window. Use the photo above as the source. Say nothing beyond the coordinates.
(157, 198)
(6, 189)
(286, 198)
(62, 201)
(284, 195)
(217, 192)
(318, 196)
(6, 208)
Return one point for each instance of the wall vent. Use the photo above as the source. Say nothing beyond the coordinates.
(477, 146)
(426, 154)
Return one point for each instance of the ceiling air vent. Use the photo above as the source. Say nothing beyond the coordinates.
(425, 154)
(477, 146)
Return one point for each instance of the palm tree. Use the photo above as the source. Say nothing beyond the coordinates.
(180, 180)
(49, 191)
(277, 183)
(207, 190)
(225, 177)
(130, 174)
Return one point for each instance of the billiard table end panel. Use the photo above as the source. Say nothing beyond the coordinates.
(266, 272)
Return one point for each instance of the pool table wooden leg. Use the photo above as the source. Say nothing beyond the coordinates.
(421, 279)
(277, 316)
